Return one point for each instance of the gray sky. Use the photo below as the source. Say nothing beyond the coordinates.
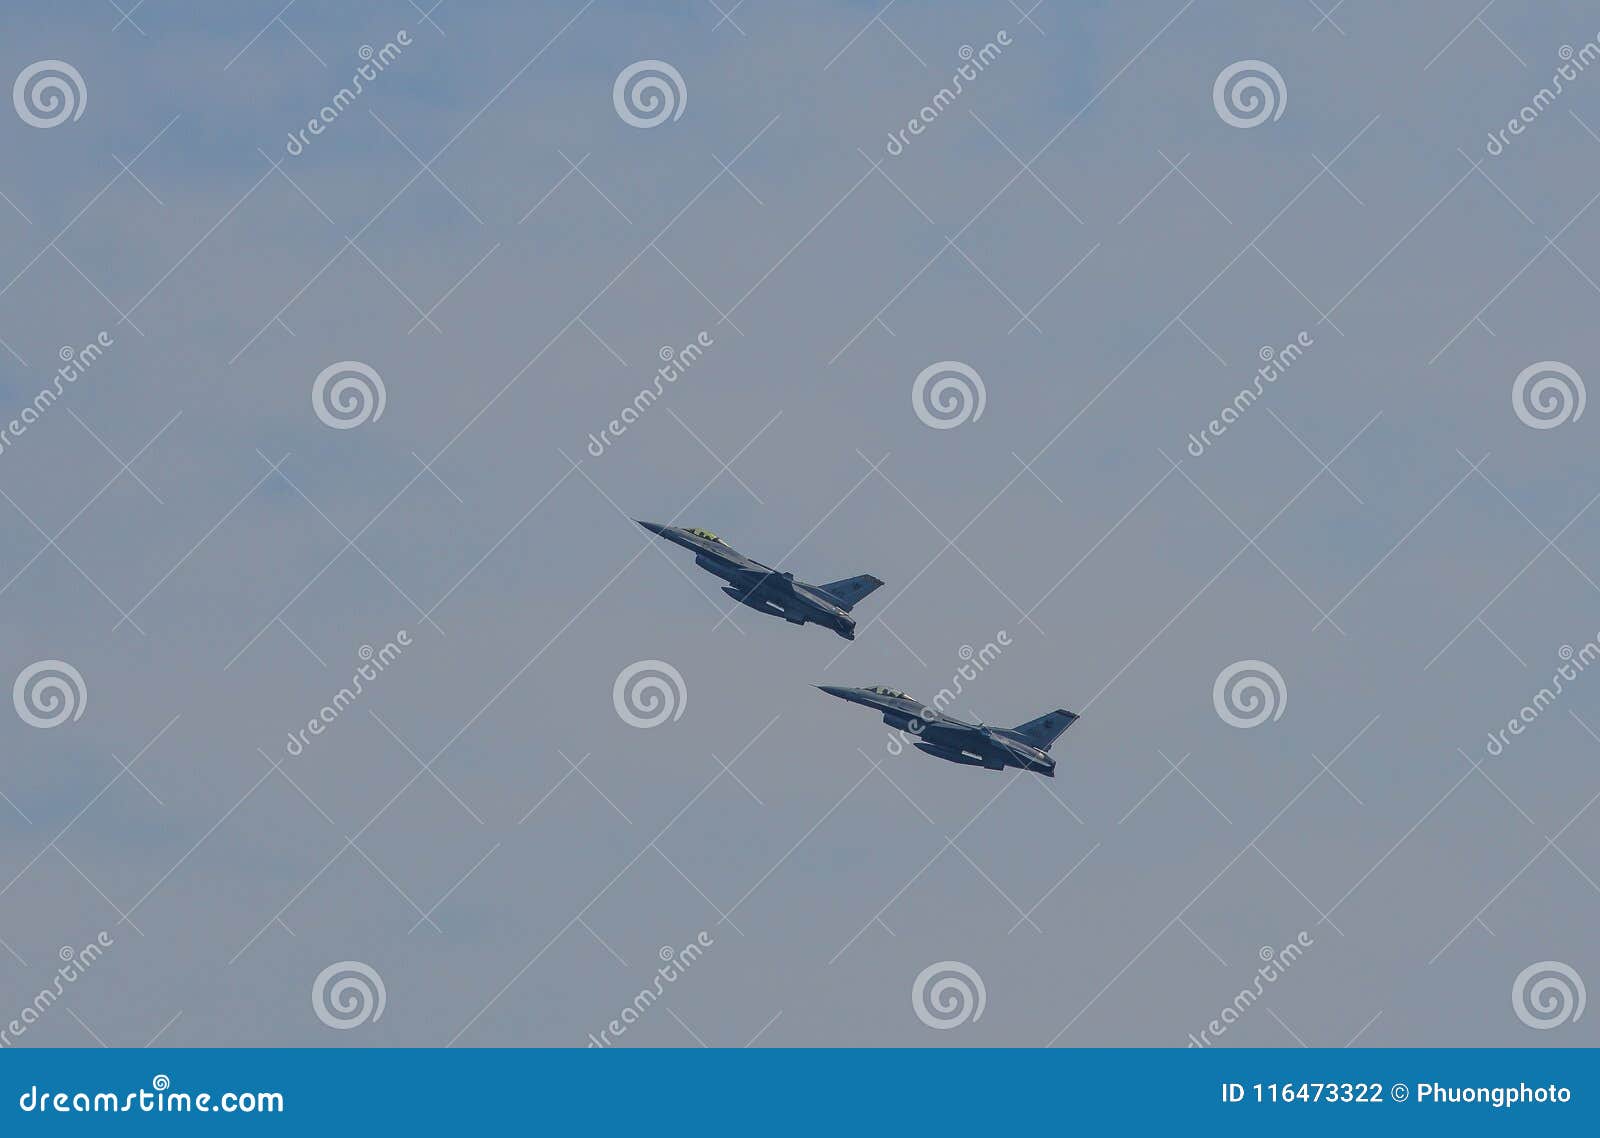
(1081, 227)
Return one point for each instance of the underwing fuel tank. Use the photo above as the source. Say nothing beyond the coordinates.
(950, 754)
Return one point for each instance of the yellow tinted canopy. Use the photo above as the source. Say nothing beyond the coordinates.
(895, 692)
(708, 535)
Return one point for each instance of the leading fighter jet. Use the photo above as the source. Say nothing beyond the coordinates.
(766, 589)
(974, 744)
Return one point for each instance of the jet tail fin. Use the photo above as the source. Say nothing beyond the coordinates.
(1046, 729)
(851, 590)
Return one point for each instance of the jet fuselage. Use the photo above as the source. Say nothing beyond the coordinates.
(949, 738)
(762, 587)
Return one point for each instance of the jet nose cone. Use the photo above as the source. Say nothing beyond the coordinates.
(841, 693)
(653, 527)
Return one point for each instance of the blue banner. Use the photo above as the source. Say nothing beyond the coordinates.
(778, 1091)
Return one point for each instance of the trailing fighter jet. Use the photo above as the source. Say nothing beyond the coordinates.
(766, 589)
(974, 744)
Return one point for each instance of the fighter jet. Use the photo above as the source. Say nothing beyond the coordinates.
(974, 744)
(768, 590)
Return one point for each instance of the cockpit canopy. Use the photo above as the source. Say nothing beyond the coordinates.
(895, 693)
(707, 535)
